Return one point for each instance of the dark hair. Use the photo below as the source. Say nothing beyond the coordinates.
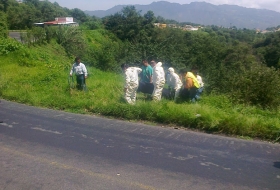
(183, 71)
(124, 66)
(153, 61)
(77, 58)
(194, 68)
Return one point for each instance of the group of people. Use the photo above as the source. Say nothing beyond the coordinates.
(188, 85)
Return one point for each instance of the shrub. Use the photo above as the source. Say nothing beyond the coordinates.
(8, 45)
(71, 38)
(258, 85)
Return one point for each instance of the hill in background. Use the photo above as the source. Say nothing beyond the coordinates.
(205, 14)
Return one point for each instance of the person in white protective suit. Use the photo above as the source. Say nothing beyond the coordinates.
(174, 82)
(131, 83)
(158, 80)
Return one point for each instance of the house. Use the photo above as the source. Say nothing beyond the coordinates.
(160, 25)
(190, 28)
(172, 26)
(59, 21)
(186, 27)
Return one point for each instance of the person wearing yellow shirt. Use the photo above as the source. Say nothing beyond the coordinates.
(191, 84)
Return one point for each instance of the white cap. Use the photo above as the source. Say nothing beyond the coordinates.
(171, 70)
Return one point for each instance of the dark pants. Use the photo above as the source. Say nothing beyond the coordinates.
(168, 93)
(188, 94)
(145, 87)
(80, 81)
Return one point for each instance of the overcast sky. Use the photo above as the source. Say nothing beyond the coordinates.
(92, 5)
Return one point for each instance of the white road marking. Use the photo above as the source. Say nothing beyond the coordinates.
(6, 125)
(184, 158)
(208, 164)
(45, 130)
(146, 147)
(212, 164)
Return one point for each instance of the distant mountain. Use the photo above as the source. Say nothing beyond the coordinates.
(206, 14)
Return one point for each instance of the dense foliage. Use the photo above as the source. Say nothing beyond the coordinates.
(24, 15)
(242, 63)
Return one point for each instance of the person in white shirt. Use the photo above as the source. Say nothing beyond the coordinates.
(174, 82)
(131, 83)
(158, 80)
(80, 70)
(201, 88)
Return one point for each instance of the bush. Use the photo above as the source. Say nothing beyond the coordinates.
(9, 45)
(71, 38)
(258, 86)
(103, 50)
(36, 35)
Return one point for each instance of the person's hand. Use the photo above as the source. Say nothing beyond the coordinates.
(70, 75)
(124, 89)
(85, 77)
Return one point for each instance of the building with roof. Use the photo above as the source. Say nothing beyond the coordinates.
(59, 21)
(160, 25)
(190, 28)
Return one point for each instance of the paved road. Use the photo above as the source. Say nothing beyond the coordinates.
(15, 35)
(47, 149)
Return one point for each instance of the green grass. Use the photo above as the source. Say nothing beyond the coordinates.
(39, 77)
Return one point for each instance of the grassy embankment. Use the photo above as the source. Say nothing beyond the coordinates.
(38, 76)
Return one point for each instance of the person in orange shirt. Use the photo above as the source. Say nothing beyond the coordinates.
(191, 84)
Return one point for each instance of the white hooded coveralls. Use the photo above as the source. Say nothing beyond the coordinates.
(174, 82)
(131, 84)
(158, 81)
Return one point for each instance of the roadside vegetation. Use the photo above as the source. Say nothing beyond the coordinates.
(240, 68)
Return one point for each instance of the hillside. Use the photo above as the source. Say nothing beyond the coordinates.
(206, 14)
(37, 75)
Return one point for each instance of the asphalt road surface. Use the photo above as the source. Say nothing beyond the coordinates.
(47, 149)
(15, 35)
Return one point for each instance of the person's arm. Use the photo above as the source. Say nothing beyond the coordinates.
(71, 71)
(199, 79)
(127, 80)
(85, 71)
(150, 71)
(139, 70)
(158, 75)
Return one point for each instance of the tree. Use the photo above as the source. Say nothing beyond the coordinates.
(3, 25)
(149, 18)
(5, 4)
(126, 25)
(92, 23)
(71, 38)
(269, 49)
(79, 15)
